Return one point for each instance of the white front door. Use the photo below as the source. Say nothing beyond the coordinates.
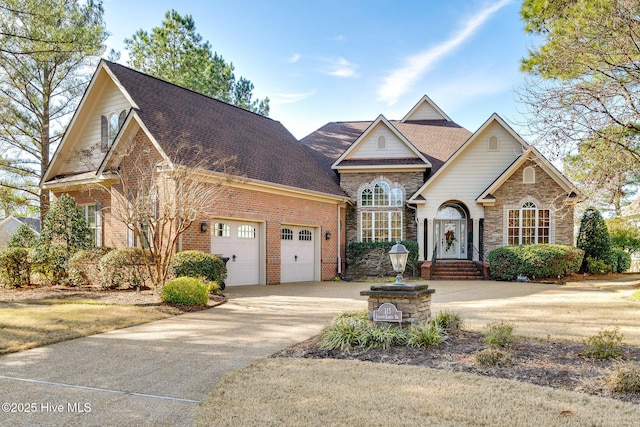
(297, 254)
(240, 242)
(450, 237)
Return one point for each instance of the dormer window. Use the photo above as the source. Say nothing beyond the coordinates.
(109, 127)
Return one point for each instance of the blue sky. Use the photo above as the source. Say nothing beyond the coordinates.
(353, 60)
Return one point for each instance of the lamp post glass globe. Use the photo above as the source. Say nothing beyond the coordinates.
(398, 256)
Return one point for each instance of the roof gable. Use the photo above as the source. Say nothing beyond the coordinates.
(425, 109)
(494, 119)
(487, 198)
(381, 143)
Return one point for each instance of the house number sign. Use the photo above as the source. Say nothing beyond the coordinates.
(387, 312)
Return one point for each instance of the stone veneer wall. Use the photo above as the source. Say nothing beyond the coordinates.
(546, 193)
(410, 183)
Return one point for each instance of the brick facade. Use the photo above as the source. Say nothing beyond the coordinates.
(237, 201)
(545, 192)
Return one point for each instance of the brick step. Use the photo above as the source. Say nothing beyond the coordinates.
(436, 277)
(456, 270)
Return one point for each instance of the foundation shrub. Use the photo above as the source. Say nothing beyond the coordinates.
(200, 265)
(49, 262)
(625, 379)
(15, 267)
(606, 344)
(498, 334)
(491, 357)
(597, 266)
(545, 260)
(621, 260)
(185, 291)
(84, 266)
(124, 267)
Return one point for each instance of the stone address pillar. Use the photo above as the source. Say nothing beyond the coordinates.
(414, 301)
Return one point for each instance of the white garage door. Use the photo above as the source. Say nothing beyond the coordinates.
(297, 254)
(239, 241)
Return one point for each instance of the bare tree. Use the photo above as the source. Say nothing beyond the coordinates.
(159, 198)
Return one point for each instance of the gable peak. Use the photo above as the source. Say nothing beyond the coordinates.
(426, 109)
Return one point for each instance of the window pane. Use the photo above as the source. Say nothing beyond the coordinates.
(221, 229)
(381, 226)
(113, 127)
(367, 228)
(396, 226)
(543, 226)
(396, 197)
(528, 226)
(513, 229)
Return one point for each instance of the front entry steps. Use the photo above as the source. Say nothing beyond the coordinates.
(453, 270)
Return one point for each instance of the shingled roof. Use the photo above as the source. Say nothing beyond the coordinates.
(264, 149)
(437, 140)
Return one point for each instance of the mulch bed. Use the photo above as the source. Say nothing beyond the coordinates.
(548, 363)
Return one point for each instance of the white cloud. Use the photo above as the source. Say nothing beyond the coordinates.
(289, 98)
(339, 38)
(340, 67)
(399, 81)
(294, 58)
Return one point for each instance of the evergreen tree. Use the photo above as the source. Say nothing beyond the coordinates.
(593, 238)
(66, 226)
(24, 237)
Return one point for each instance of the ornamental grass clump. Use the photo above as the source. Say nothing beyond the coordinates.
(426, 335)
(185, 291)
(344, 332)
(625, 379)
(606, 344)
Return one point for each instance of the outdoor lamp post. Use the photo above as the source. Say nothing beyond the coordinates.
(398, 255)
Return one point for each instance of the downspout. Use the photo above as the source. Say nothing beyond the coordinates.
(339, 237)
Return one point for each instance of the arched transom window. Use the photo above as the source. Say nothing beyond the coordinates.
(528, 225)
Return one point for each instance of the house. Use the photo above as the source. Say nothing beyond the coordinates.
(298, 203)
(459, 194)
(10, 225)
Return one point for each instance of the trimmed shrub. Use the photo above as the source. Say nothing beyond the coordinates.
(372, 258)
(547, 260)
(185, 291)
(491, 357)
(200, 265)
(498, 334)
(606, 344)
(597, 266)
(124, 267)
(621, 260)
(625, 379)
(84, 266)
(49, 262)
(15, 267)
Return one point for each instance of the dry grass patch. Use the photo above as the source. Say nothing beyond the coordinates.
(38, 323)
(295, 392)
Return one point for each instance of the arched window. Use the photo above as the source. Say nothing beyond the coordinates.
(382, 143)
(246, 232)
(381, 225)
(381, 194)
(114, 126)
(529, 175)
(304, 235)
(528, 225)
(286, 234)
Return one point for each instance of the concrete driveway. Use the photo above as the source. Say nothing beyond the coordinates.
(159, 373)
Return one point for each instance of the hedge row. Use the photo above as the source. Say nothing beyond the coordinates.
(540, 261)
